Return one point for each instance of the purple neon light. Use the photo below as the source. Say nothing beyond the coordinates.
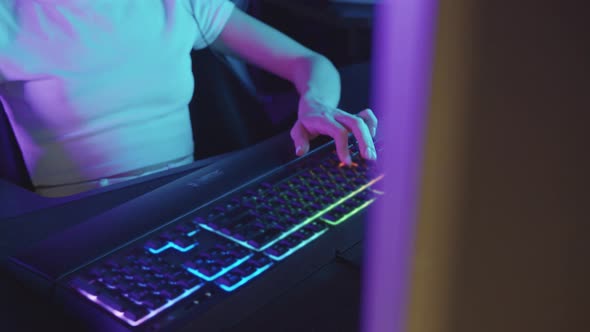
(404, 40)
(152, 313)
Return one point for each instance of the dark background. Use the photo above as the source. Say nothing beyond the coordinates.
(503, 239)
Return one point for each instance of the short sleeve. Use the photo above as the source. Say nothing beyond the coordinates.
(211, 16)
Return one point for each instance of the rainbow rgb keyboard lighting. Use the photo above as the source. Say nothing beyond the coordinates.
(221, 247)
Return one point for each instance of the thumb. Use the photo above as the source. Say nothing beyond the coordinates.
(300, 138)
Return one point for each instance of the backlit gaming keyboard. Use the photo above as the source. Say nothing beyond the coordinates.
(211, 252)
(165, 258)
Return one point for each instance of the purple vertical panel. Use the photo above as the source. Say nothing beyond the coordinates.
(402, 68)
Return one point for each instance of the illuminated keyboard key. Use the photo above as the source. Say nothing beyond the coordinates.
(185, 242)
(245, 270)
(135, 312)
(278, 249)
(153, 301)
(114, 301)
(186, 280)
(259, 260)
(171, 291)
(240, 276)
(229, 279)
(89, 286)
(210, 269)
(155, 244)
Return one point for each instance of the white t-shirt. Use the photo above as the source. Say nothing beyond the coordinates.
(94, 88)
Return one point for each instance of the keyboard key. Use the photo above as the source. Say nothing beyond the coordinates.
(290, 241)
(171, 291)
(157, 283)
(210, 270)
(113, 300)
(135, 312)
(111, 278)
(213, 253)
(160, 268)
(140, 276)
(239, 252)
(124, 285)
(145, 260)
(265, 237)
(185, 227)
(155, 243)
(245, 270)
(259, 260)
(185, 241)
(243, 274)
(228, 279)
(196, 262)
(236, 212)
(153, 301)
(89, 286)
(304, 233)
(169, 235)
(316, 226)
(277, 250)
(138, 294)
(187, 280)
(226, 260)
(131, 269)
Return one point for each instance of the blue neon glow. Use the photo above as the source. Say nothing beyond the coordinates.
(245, 244)
(192, 233)
(221, 272)
(297, 247)
(245, 279)
(172, 245)
(152, 313)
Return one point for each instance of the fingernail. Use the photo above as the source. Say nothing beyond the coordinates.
(298, 150)
(348, 160)
(371, 153)
(373, 132)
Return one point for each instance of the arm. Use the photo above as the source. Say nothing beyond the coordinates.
(269, 49)
(314, 76)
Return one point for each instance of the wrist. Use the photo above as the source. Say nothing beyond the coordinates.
(311, 97)
(316, 79)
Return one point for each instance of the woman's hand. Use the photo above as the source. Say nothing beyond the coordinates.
(316, 79)
(317, 118)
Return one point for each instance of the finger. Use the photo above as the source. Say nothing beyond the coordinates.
(300, 138)
(370, 120)
(361, 131)
(331, 127)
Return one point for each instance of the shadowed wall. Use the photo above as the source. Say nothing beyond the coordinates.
(503, 241)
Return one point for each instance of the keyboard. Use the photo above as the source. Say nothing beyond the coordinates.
(204, 256)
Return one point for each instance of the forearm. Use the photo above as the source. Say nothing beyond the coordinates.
(316, 77)
(313, 75)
